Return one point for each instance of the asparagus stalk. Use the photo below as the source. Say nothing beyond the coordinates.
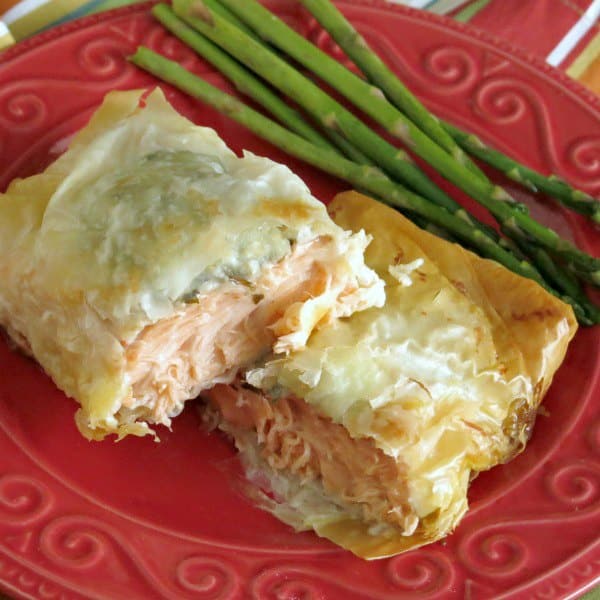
(356, 47)
(358, 50)
(244, 81)
(248, 84)
(553, 186)
(591, 278)
(367, 97)
(564, 281)
(494, 198)
(378, 73)
(364, 177)
(351, 151)
(446, 135)
(339, 140)
(330, 114)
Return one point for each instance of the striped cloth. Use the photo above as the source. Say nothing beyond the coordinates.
(564, 32)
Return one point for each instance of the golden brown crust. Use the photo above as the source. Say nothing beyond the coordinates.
(524, 314)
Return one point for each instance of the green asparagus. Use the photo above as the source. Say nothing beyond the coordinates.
(250, 85)
(330, 114)
(553, 186)
(379, 74)
(269, 66)
(446, 135)
(558, 275)
(243, 80)
(367, 97)
(564, 281)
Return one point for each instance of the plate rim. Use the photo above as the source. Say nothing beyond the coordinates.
(472, 31)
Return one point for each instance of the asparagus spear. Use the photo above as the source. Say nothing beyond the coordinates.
(359, 51)
(364, 177)
(243, 80)
(367, 97)
(411, 175)
(562, 280)
(378, 73)
(553, 186)
(330, 114)
(494, 198)
(446, 135)
(249, 85)
(555, 273)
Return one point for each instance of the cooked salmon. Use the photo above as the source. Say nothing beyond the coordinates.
(293, 438)
(230, 328)
(149, 261)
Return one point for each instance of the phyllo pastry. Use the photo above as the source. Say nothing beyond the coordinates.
(149, 262)
(371, 434)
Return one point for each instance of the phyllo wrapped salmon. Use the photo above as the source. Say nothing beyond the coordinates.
(149, 262)
(371, 434)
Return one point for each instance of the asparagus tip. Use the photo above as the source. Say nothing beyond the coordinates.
(198, 9)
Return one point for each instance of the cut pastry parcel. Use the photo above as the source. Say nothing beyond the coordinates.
(149, 262)
(371, 434)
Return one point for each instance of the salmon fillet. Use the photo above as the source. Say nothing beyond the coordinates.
(226, 329)
(291, 437)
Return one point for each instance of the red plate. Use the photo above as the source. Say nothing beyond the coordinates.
(145, 520)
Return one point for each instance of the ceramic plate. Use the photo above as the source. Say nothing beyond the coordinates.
(141, 520)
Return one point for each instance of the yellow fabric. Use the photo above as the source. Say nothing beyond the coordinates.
(41, 16)
(6, 39)
(586, 67)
